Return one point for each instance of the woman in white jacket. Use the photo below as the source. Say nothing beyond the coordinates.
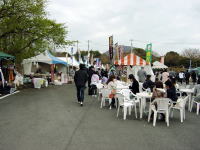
(94, 82)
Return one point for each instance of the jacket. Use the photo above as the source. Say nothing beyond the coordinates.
(80, 78)
(142, 75)
(171, 93)
(148, 84)
(134, 87)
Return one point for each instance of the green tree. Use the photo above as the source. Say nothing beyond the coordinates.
(172, 59)
(25, 29)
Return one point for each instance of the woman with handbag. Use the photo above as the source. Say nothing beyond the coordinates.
(112, 86)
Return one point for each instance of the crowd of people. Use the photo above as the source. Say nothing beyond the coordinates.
(180, 77)
(109, 79)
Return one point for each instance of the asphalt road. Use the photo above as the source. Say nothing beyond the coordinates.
(50, 119)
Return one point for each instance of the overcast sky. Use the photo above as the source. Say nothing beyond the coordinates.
(167, 24)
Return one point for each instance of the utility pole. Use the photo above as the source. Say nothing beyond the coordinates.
(88, 52)
(131, 46)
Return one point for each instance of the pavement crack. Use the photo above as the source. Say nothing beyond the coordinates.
(78, 125)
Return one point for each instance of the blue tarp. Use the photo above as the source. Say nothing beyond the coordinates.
(56, 60)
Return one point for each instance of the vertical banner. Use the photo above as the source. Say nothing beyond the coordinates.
(116, 52)
(149, 53)
(79, 56)
(67, 58)
(92, 60)
(72, 56)
(120, 49)
(111, 47)
(162, 59)
(97, 62)
(88, 58)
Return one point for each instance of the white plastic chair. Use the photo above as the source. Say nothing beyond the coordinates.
(198, 105)
(162, 107)
(131, 98)
(180, 105)
(105, 96)
(99, 88)
(126, 105)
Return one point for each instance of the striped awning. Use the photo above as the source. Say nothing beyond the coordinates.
(131, 60)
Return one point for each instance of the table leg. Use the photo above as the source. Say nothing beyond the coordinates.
(141, 107)
(189, 102)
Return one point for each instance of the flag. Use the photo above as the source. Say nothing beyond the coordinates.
(79, 55)
(120, 49)
(67, 57)
(149, 53)
(92, 60)
(88, 57)
(72, 51)
(111, 47)
(116, 51)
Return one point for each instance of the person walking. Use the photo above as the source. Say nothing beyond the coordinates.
(194, 77)
(80, 79)
(142, 75)
(181, 76)
(187, 77)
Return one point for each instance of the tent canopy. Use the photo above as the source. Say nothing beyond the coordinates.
(131, 60)
(6, 56)
(45, 57)
(69, 60)
(159, 65)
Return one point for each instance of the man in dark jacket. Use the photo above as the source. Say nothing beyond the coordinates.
(80, 80)
(187, 77)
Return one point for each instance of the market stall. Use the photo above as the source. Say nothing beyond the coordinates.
(134, 64)
(7, 73)
(43, 66)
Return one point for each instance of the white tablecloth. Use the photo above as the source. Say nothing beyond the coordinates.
(189, 92)
(38, 82)
(142, 97)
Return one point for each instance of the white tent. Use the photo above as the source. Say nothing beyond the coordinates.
(159, 65)
(69, 61)
(45, 57)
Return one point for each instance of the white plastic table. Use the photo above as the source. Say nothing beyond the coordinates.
(143, 96)
(189, 92)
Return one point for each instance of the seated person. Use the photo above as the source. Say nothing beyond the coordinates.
(157, 94)
(148, 83)
(197, 90)
(171, 91)
(94, 82)
(134, 84)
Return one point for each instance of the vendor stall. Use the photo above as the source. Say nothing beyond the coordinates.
(42, 64)
(7, 73)
(134, 63)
